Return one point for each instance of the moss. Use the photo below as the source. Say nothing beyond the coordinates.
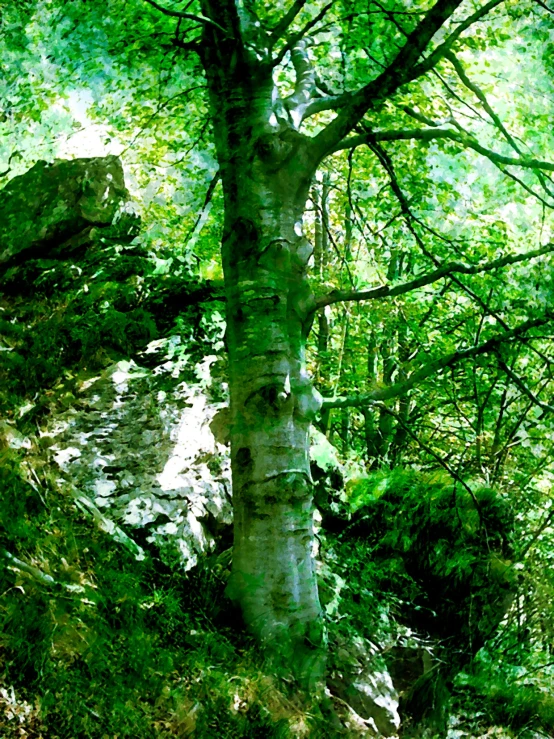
(419, 552)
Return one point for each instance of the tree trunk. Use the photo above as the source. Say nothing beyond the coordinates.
(370, 430)
(272, 405)
(266, 173)
(401, 432)
(321, 248)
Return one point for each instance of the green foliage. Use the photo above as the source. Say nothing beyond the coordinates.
(119, 646)
(402, 547)
(88, 311)
(426, 569)
(508, 694)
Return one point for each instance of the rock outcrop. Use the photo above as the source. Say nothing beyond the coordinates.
(367, 689)
(137, 442)
(121, 424)
(49, 207)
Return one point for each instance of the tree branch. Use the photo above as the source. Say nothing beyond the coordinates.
(186, 16)
(35, 572)
(161, 106)
(544, 5)
(209, 194)
(285, 22)
(420, 117)
(387, 164)
(386, 291)
(295, 38)
(441, 50)
(458, 66)
(523, 387)
(431, 368)
(480, 95)
(429, 134)
(400, 71)
(193, 45)
(330, 102)
(526, 187)
(305, 86)
(441, 460)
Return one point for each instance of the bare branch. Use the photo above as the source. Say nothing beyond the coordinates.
(494, 117)
(429, 134)
(386, 291)
(286, 21)
(186, 16)
(526, 187)
(431, 368)
(457, 97)
(391, 16)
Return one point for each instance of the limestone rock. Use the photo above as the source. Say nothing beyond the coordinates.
(373, 696)
(137, 443)
(368, 690)
(53, 204)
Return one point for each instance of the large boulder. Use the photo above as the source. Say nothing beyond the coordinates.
(51, 204)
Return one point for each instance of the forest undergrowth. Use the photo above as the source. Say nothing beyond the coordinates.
(435, 582)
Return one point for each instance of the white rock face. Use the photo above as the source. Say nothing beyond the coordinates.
(373, 696)
(138, 444)
(368, 691)
(52, 203)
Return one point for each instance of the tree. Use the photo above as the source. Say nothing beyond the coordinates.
(278, 109)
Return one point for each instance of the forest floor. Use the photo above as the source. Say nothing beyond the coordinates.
(100, 639)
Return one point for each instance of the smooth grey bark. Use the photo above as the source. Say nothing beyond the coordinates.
(318, 235)
(323, 357)
(403, 410)
(273, 402)
(266, 174)
(321, 257)
(370, 431)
